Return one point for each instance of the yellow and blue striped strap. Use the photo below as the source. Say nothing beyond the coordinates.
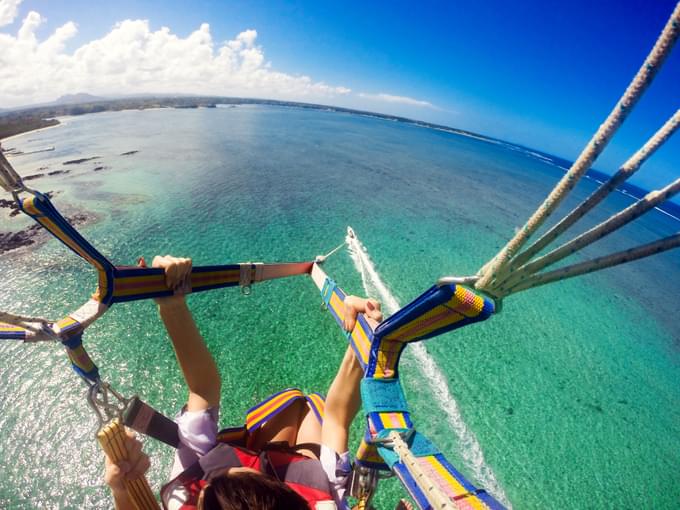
(436, 311)
(361, 338)
(119, 284)
(40, 208)
(461, 492)
(260, 414)
(81, 362)
(11, 332)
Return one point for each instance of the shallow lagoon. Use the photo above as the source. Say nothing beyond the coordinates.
(571, 393)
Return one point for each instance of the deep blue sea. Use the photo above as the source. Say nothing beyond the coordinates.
(567, 399)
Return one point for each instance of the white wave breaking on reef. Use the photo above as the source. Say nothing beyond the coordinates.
(470, 449)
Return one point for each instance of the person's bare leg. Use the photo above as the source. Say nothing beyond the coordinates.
(309, 431)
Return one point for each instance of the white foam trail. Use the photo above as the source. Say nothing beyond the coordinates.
(470, 449)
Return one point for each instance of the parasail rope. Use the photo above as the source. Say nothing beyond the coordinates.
(499, 266)
(435, 496)
(627, 169)
(614, 259)
(616, 221)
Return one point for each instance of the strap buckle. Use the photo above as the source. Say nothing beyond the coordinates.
(106, 402)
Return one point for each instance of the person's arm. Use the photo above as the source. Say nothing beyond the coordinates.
(344, 398)
(197, 364)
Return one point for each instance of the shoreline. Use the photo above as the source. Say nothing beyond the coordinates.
(37, 130)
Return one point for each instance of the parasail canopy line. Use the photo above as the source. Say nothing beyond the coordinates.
(10, 181)
(626, 170)
(497, 268)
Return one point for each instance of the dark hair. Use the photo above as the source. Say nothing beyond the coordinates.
(247, 491)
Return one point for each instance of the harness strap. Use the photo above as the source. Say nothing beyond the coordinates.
(143, 418)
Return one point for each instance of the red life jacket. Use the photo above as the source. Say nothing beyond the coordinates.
(302, 474)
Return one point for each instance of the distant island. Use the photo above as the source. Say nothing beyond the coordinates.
(17, 121)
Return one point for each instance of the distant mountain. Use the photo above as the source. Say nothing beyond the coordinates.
(81, 97)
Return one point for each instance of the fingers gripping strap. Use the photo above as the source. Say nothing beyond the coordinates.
(362, 335)
(112, 440)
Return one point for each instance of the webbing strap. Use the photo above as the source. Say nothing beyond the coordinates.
(327, 291)
(133, 283)
(143, 418)
(80, 361)
(382, 395)
(438, 310)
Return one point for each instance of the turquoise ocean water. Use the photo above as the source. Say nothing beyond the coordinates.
(567, 399)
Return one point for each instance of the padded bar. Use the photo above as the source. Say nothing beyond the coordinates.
(270, 407)
(436, 311)
(11, 332)
(134, 283)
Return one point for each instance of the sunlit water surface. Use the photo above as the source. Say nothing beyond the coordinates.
(567, 399)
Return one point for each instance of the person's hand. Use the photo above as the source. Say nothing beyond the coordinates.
(355, 305)
(136, 465)
(177, 277)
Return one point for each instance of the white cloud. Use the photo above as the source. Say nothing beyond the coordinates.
(389, 98)
(8, 11)
(132, 58)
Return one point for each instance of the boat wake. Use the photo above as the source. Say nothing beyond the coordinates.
(470, 449)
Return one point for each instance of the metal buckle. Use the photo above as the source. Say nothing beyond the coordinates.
(106, 402)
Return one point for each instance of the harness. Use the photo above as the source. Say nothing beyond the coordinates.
(302, 474)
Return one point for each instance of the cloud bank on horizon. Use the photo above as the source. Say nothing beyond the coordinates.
(134, 59)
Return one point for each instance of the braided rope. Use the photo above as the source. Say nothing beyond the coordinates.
(33, 324)
(622, 257)
(627, 170)
(435, 496)
(9, 179)
(596, 233)
(498, 267)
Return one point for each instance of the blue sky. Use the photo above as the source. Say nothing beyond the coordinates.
(544, 74)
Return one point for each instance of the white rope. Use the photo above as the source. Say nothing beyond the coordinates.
(435, 496)
(622, 257)
(21, 320)
(320, 259)
(596, 233)
(9, 179)
(627, 170)
(498, 267)
(38, 329)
